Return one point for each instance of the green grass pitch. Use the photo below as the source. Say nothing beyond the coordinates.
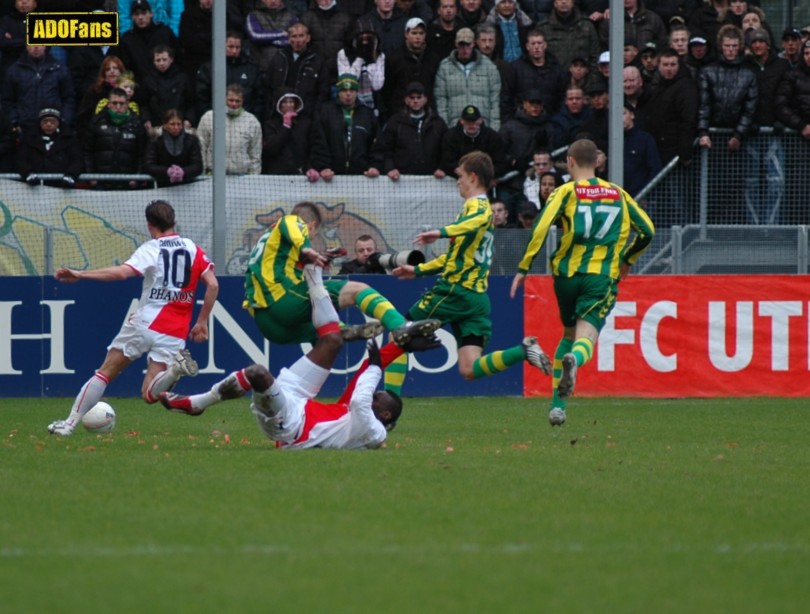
(476, 505)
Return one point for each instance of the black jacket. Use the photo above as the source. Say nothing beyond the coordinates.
(549, 78)
(522, 135)
(114, 149)
(30, 86)
(769, 76)
(137, 44)
(793, 98)
(306, 76)
(401, 68)
(670, 115)
(332, 149)
(412, 147)
(158, 159)
(456, 143)
(286, 150)
(63, 156)
(728, 97)
(167, 90)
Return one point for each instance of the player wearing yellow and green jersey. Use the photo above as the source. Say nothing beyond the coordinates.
(459, 297)
(277, 295)
(604, 232)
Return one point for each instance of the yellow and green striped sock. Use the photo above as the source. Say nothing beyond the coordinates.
(395, 373)
(498, 361)
(376, 306)
(582, 350)
(563, 348)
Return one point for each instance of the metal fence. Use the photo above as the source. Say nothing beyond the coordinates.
(741, 212)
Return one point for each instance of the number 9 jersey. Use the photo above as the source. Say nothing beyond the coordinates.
(171, 267)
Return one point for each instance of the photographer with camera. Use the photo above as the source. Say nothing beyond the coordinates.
(364, 247)
(370, 261)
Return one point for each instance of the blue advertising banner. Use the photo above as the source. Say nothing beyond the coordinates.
(53, 336)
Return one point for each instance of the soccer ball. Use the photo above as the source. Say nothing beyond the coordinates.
(100, 418)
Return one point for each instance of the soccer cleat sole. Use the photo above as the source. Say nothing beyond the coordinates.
(418, 328)
(357, 332)
(568, 379)
(186, 363)
(535, 355)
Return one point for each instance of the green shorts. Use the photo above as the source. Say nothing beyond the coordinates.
(466, 311)
(289, 319)
(587, 297)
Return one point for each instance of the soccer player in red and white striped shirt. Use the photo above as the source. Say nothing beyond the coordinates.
(171, 267)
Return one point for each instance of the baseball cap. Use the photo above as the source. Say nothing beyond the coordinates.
(650, 47)
(579, 60)
(414, 87)
(697, 40)
(470, 113)
(629, 106)
(140, 6)
(414, 22)
(604, 57)
(791, 32)
(533, 95)
(630, 41)
(805, 30)
(347, 81)
(50, 112)
(465, 35)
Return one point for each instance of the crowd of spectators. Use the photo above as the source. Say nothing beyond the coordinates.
(393, 87)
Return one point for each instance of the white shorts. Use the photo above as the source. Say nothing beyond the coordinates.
(134, 340)
(281, 410)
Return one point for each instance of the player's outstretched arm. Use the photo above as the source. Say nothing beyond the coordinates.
(427, 237)
(113, 273)
(405, 271)
(199, 332)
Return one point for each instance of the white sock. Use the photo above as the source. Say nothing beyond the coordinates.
(323, 311)
(163, 382)
(88, 396)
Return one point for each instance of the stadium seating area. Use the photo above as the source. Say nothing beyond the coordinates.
(409, 70)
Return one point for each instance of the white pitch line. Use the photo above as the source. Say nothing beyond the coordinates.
(153, 550)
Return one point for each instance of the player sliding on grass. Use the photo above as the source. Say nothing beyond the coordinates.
(276, 294)
(171, 266)
(595, 251)
(459, 297)
(285, 407)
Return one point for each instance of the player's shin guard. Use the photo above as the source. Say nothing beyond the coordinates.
(582, 350)
(563, 348)
(395, 373)
(376, 306)
(88, 396)
(498, 361)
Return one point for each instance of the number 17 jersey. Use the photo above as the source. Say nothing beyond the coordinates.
(171, 267)
(597, 218)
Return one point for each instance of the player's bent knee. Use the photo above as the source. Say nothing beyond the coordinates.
(259, 377)
(333, 342)
(349, 291)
